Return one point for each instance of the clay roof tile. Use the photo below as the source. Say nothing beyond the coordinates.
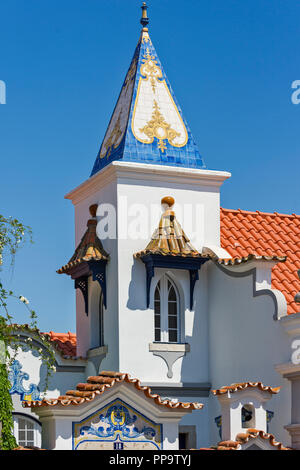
(273, 235)
(99, 384)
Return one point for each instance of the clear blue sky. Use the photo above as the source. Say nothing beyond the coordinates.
(231, 64)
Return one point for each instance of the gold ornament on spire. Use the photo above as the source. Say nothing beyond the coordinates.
(144, 19)
(159, 128)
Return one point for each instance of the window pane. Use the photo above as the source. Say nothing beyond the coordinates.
(173, 322)
(157, 334)
(22, 423)
(26, 432)
(157, 293)
(172, 336)
(172, 308)
(172, 294)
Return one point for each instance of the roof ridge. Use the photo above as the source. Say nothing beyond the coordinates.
(276, 214)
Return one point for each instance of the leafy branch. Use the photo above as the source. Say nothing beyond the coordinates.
(13, 337)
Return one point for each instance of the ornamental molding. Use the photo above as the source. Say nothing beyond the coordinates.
(155, 113)
(170, 353)
(141, 171)
(280, 304)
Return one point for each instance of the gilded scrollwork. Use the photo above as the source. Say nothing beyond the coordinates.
(150, 69)
(155, 113)
(159, 128)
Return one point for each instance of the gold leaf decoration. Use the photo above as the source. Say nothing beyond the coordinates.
(159, 128)
(150, 69)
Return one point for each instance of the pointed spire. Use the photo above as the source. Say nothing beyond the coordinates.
(147, 125)
(144, 19)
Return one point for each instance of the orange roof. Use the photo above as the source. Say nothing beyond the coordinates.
(266, 234)
(64, 342)
(243, 438)
(243, 385)
(95, 386)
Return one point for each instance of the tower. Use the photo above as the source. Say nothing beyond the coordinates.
(145, 302)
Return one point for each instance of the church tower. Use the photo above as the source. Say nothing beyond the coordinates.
(146, 221)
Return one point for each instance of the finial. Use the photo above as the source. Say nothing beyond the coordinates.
(144, 19)
(168, 200)
(93, 210)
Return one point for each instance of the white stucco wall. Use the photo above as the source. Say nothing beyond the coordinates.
(245, 343)
(128, 324)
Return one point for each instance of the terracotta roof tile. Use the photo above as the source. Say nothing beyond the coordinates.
(95, 386)
(243, 438)
(64, 342)
(266, 234)
(243, 385)
(90, 248)
(169, 238)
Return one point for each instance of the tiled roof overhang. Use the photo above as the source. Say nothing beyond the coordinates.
(95, 386)
(250, 434)
(64, 343)
(266, 234)
(250, 257)
(243, 386)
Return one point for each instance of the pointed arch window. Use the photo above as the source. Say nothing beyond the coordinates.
(166, 312)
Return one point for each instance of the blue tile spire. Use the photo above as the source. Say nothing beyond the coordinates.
(147, 125)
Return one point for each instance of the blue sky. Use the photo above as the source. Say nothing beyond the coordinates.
(231, 65)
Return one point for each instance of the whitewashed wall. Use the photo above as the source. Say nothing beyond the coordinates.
(245, 343)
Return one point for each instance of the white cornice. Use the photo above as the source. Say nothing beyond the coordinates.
(147, 172)
(291, 324)
(288, 369)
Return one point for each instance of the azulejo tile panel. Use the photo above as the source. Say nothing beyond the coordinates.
(117, 426)
(16, 377)
(147, 124)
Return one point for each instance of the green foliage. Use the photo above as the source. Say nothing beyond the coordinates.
(7, 440)
(13, 234)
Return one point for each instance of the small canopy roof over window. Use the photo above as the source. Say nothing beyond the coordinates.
(171, 248)
(169, 238)
(89, 259)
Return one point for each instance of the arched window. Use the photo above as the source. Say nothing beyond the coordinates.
(27, 430)
(166, 312)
